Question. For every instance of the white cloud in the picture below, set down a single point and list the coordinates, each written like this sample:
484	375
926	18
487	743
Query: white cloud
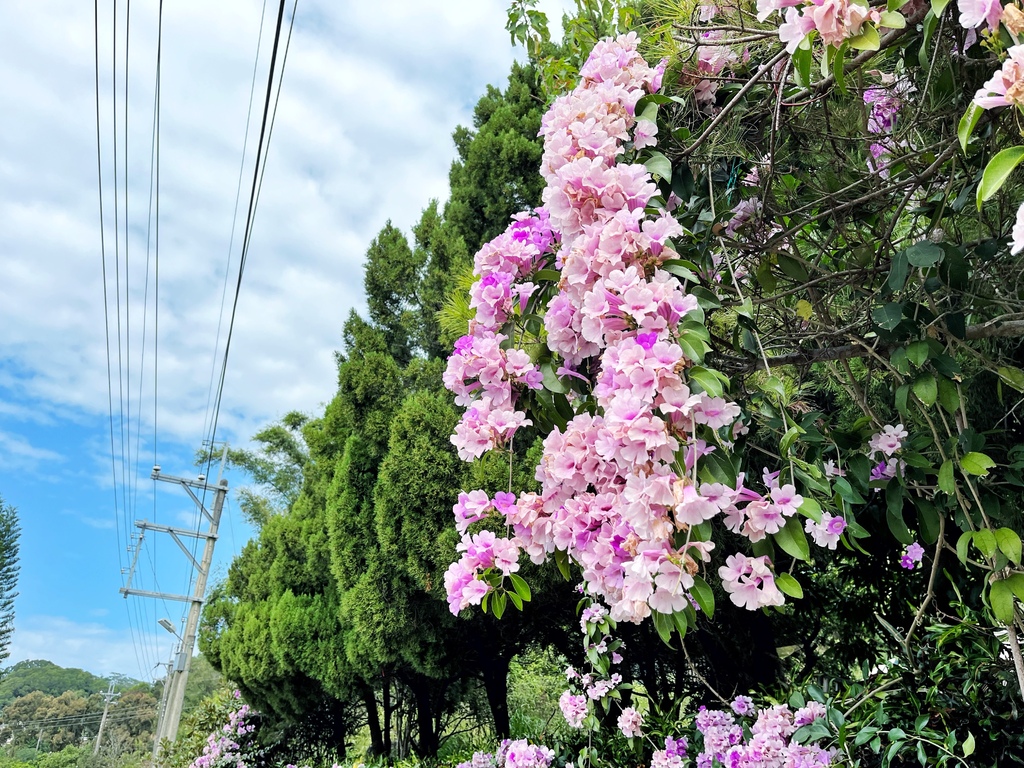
88	645
18	454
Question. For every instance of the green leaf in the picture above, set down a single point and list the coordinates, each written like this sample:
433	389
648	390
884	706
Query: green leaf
894	513
917	353
1014	377
547	276
774	385
949	398
968	747
517	601
998	171
1009	544
1015	581
551	381
659	166
792	539
924	254
961	545
892	20
562	561
498	604
789	438
810	508
970	119
706	380
867	40
946	482
521	587
888	316
975	463
704	596
1000	596
926	389
802	61
898	272
985	541
675	267
789	585
664	625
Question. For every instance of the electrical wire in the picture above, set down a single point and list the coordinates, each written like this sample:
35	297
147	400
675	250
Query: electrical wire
106	313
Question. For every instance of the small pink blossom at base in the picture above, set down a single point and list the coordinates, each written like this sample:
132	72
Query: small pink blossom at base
630	722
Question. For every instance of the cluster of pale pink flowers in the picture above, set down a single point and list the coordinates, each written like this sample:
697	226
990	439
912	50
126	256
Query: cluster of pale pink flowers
512	754
618	484
484	372
766	743
1006	88
882	446
835	21
222	747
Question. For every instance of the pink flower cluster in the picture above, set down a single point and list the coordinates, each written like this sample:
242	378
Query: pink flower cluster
835	21
750	582
619	484
483	371
512	754
768	744
912	556
1006	86
827	532
480	551
221	748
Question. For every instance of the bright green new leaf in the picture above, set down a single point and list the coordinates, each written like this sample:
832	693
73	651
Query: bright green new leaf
704	596
789	585
659	166
892	20
520	586
998	171
810	508
970	119
968	747
867	40
975	463
792	540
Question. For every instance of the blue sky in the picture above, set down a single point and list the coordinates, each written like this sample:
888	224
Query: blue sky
371	95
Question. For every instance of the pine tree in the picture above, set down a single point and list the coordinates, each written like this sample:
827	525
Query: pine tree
9	533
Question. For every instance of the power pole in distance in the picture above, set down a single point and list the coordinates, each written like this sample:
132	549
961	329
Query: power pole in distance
107	698
178	675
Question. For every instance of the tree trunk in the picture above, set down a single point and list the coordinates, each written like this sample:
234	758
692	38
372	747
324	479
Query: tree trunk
428	738
372	721
386	699
495	674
